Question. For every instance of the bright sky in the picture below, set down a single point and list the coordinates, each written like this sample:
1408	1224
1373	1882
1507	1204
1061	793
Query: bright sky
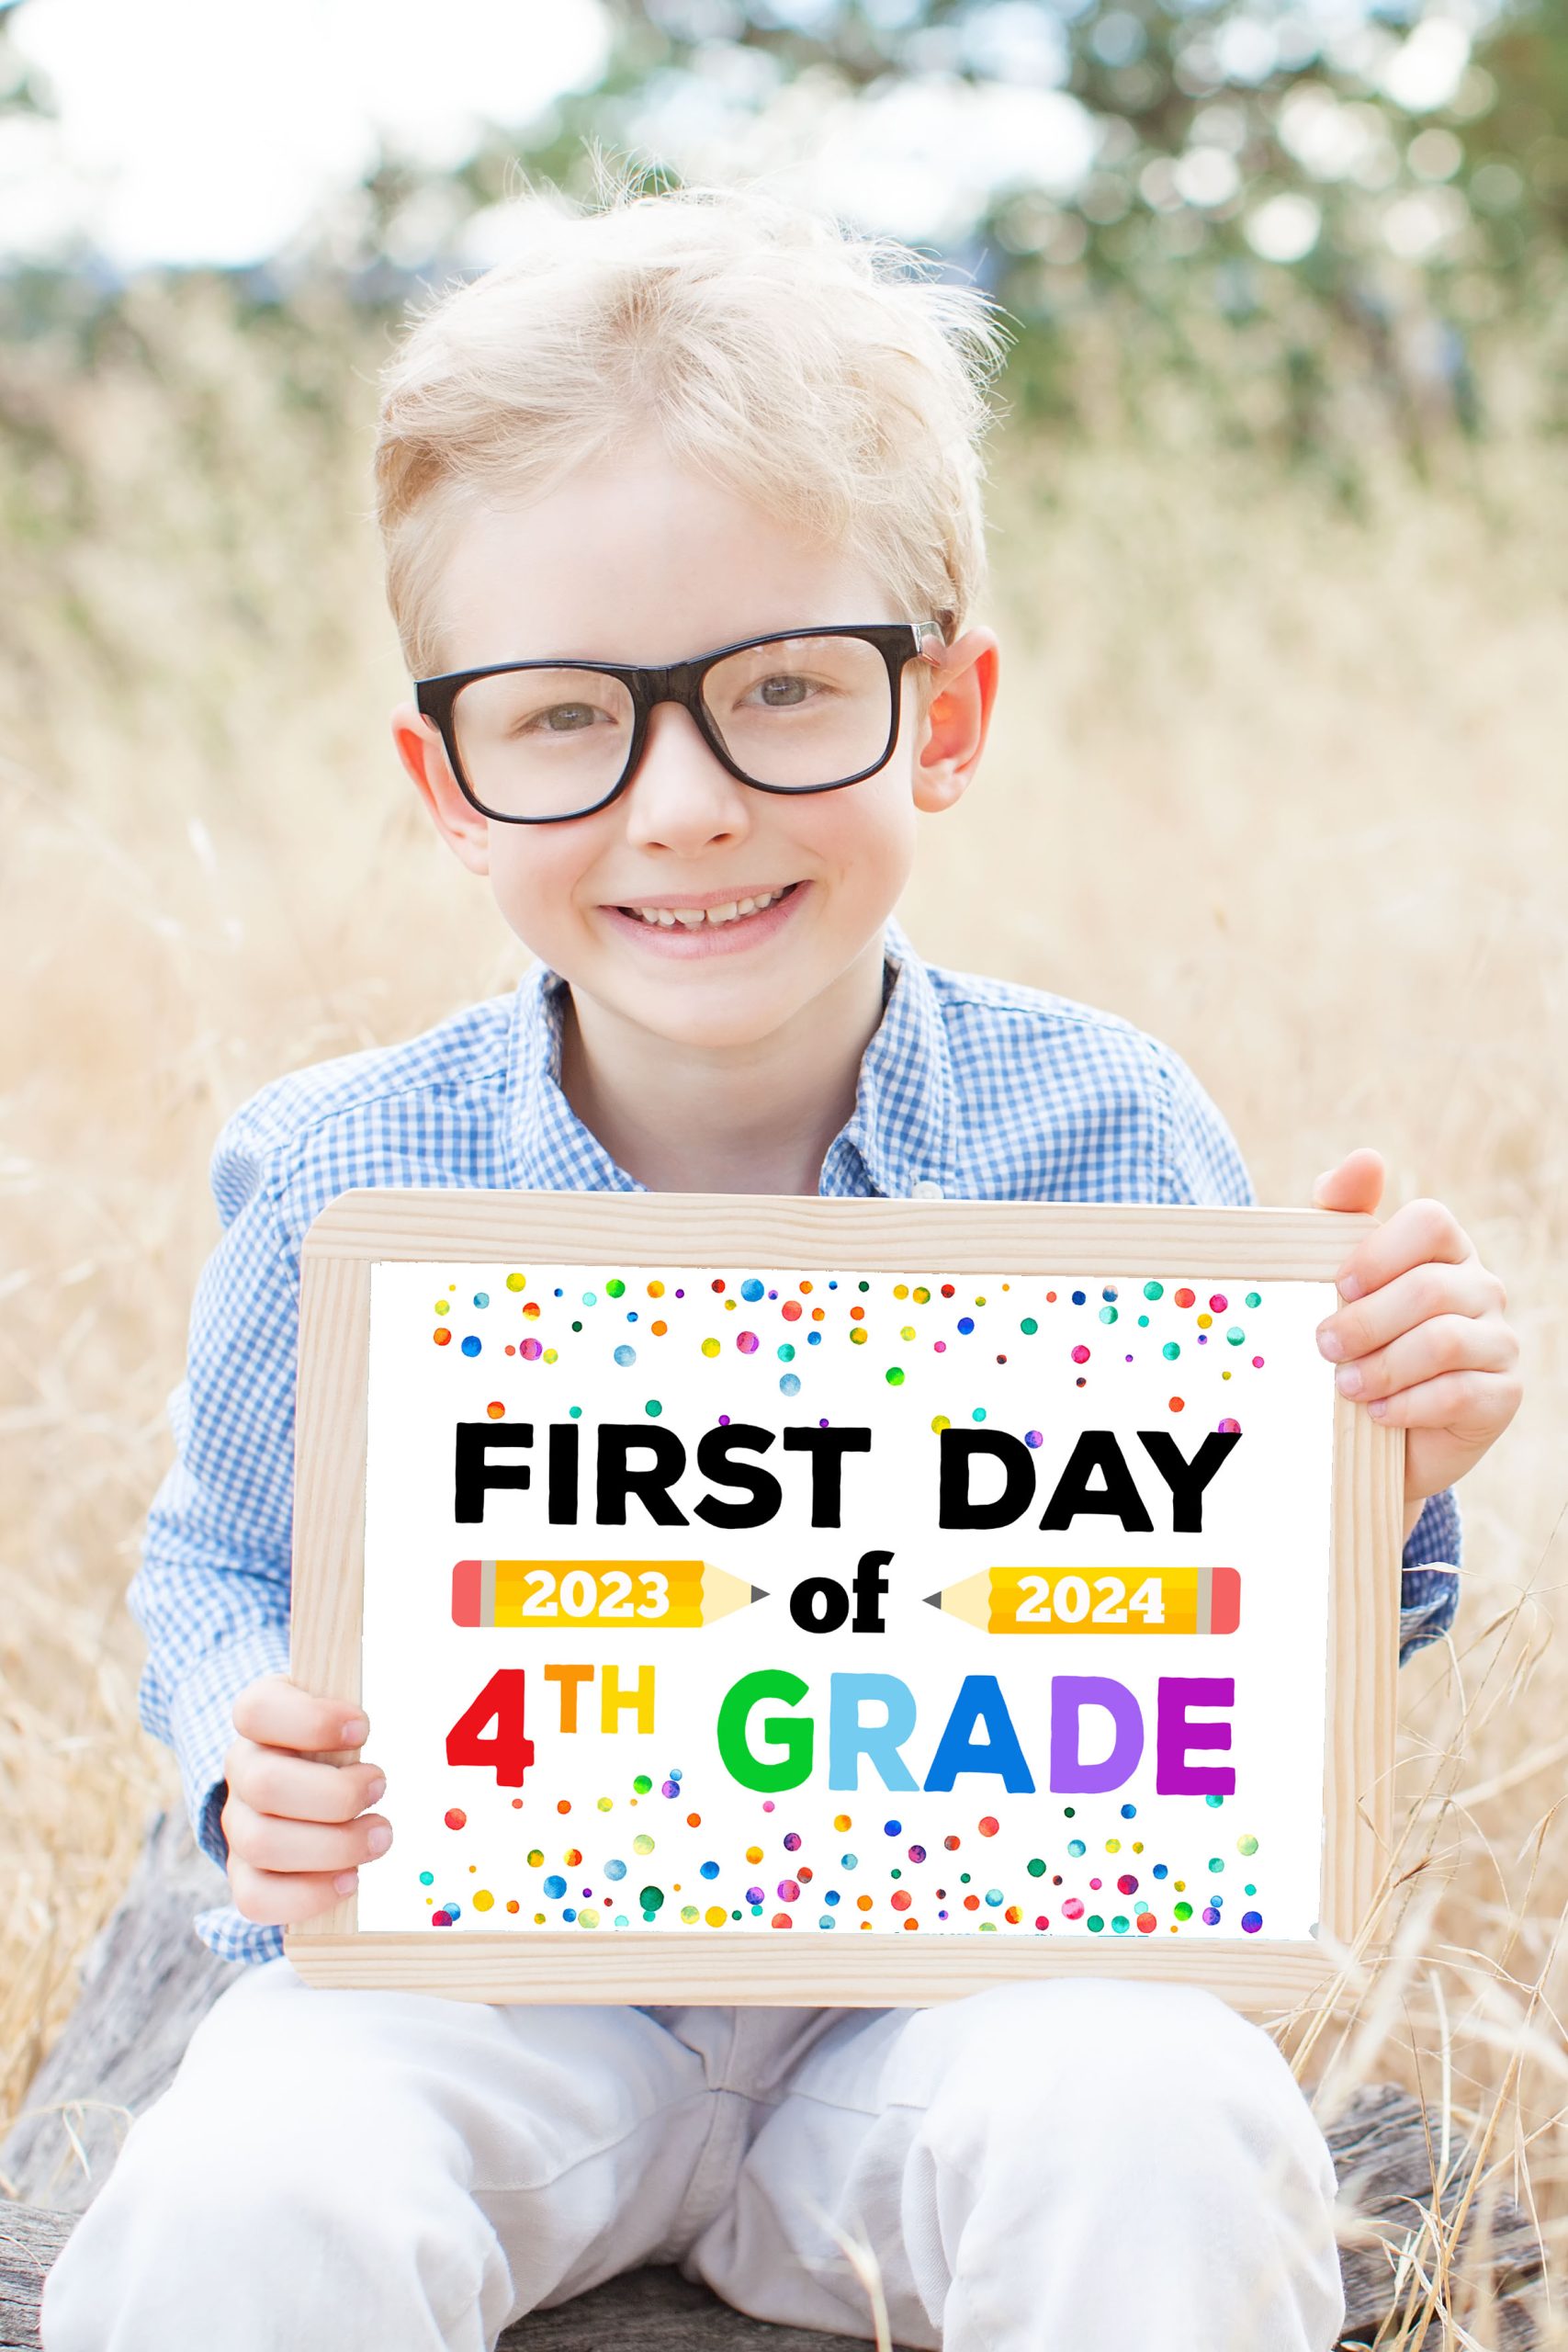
194	130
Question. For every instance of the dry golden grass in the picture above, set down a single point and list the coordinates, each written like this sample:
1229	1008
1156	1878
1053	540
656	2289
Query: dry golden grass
1283	786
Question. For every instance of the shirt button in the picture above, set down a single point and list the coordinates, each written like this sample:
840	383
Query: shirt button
925	1189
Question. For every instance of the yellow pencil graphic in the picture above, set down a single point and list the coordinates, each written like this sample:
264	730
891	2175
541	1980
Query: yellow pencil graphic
621	1596
1095	1600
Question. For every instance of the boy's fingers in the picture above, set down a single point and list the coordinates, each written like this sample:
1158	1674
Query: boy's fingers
275	1713
1470	1407
271	1899
1410	1299
271	1843
1446	1343
270	1779
1420	1231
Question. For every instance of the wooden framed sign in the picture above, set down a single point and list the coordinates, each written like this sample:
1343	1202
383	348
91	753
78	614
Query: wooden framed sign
842	1601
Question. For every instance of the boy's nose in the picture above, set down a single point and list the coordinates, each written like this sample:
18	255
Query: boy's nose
680	797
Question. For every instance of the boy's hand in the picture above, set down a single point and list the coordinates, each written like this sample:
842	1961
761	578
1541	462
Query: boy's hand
1421	1338
294	1839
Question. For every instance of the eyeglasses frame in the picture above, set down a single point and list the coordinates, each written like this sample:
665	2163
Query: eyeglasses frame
898	642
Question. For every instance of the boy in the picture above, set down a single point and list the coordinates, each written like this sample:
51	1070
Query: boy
710	432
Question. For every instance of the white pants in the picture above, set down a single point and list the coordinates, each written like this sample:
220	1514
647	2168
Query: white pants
1066	2166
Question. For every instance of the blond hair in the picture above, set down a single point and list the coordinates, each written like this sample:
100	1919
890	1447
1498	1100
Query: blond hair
829	375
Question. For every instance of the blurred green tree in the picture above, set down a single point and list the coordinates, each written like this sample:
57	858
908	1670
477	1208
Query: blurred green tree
1282	203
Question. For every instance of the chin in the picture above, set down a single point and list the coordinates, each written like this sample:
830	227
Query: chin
730	1024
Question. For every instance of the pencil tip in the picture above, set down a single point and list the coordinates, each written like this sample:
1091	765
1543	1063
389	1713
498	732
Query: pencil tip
933	1600
758	1593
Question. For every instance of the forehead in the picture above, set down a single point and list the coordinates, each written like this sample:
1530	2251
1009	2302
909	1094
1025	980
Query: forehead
640	559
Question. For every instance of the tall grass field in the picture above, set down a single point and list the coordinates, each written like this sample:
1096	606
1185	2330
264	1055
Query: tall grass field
1280	778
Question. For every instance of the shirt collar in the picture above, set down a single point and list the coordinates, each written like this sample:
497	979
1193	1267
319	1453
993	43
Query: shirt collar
902	1129
552	1151
900	1133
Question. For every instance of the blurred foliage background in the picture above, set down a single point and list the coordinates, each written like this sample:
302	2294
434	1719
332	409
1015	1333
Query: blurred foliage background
1303	221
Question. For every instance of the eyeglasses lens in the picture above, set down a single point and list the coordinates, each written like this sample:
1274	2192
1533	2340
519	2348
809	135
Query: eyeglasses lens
795	713
542	742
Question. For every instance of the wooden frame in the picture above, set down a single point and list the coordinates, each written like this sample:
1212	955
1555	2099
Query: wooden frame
966	1236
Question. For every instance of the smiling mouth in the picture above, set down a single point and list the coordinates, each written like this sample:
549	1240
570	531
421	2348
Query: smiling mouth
715	918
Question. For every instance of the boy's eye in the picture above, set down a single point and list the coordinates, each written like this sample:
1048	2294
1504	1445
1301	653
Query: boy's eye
786	690
566	717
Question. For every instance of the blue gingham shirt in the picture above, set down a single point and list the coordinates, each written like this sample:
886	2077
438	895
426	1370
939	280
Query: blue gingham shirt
982	1088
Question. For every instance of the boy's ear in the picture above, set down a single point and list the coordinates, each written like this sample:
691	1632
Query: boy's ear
422	752
954	735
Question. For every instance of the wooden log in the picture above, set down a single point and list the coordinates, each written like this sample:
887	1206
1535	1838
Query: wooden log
148	1981
654	2311
30	2241
1384	2161
657	2311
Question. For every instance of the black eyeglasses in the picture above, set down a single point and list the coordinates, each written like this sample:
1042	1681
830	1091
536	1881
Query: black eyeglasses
535	742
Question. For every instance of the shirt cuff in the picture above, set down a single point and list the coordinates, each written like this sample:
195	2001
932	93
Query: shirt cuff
228	1934
1429	1585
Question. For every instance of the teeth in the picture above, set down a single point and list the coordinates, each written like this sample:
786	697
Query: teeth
692	918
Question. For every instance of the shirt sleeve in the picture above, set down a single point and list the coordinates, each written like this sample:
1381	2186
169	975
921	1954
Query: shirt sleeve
1203	1164
1429	1584
211	1594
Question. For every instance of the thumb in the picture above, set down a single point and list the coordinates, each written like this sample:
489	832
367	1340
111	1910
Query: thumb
1355	1185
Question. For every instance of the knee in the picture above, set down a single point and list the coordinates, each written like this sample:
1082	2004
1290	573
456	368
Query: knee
1106	2067
290	2202
380	2182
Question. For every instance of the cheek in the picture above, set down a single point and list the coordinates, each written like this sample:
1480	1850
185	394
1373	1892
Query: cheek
535	871
547	865
865	829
